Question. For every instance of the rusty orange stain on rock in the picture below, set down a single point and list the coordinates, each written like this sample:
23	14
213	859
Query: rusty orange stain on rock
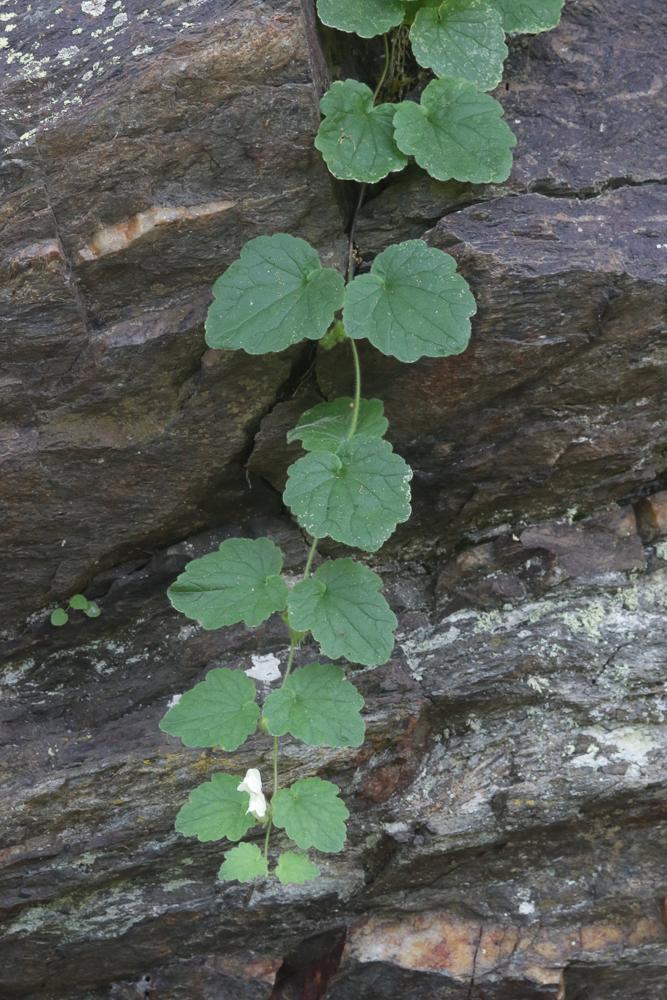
428	942
646	930
652	516
121	235
597	936
447	943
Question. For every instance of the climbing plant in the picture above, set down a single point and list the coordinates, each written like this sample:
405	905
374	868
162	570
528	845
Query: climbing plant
349	485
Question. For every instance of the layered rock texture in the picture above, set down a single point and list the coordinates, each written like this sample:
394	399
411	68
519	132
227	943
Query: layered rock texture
509	828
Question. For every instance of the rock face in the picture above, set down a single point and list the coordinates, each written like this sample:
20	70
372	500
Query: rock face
508	808
141	152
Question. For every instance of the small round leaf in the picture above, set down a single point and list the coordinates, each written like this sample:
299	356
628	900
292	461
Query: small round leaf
461	39
355	138
318	705
529	16
342	606
295	869
79	602
324	427
413	303
59	617
366	18
219	712
312	814
243	864
457	133
239	582
216	810
276	294
356	496
93	610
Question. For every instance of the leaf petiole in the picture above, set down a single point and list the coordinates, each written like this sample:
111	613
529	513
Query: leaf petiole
357	391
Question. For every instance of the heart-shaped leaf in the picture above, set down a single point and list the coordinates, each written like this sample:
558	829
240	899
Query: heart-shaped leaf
461	39
276	294
356	496
295	869
317	705
219	712
366	18
342	606
324	427
240	582
311	814
412	304
355	138
529	16
215	810
457	133
243	864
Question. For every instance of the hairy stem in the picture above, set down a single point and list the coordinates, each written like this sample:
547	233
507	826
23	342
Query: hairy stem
311	556
293	646
357	390
385	70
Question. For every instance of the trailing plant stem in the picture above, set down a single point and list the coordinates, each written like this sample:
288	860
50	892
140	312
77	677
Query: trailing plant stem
385	70
309	560
269	824
294	642
293	646
357	390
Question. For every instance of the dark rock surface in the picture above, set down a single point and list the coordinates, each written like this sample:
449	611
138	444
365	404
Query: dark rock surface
508	824
508	807
134	170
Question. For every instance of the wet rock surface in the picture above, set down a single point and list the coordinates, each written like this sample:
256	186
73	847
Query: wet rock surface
508	827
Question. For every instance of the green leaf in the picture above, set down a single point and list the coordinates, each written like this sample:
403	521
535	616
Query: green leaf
275	295
342	606
79	602
366	18
456	132
413	304
355	138
317	705
215	810
311	814
243	864
240	582
356	496
93	610
219	712
529	16
59	617
324	427
295	869
463	39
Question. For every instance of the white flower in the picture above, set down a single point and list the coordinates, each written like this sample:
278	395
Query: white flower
252	784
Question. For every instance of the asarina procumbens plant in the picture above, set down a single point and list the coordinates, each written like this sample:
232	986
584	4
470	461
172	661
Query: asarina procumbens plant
349	485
